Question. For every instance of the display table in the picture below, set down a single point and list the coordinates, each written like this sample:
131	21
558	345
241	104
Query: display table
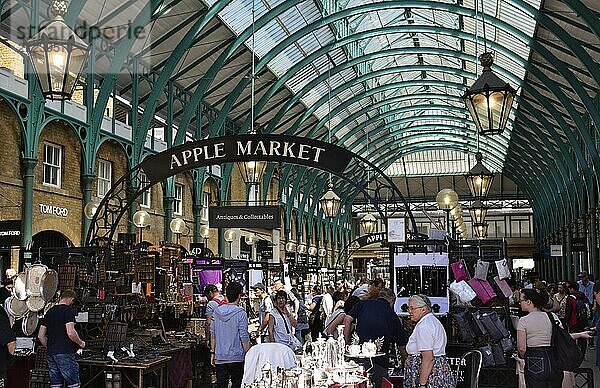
97	367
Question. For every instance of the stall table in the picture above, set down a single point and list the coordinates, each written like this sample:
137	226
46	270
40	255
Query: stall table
141	367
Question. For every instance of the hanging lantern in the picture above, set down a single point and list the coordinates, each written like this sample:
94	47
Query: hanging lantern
322	252
312	250
58	55
480	230
447	199
489	99
330	202
479	179
478	212
369	223
252	171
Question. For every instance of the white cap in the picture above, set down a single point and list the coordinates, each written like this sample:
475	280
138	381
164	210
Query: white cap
361	291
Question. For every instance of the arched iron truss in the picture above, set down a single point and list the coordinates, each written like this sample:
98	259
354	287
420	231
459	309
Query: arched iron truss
558	114
380	190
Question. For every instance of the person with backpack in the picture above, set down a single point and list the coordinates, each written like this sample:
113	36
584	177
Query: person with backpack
316	318
534	340
577	313
215	299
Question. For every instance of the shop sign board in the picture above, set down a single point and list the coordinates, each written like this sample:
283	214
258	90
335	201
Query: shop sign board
556	250
54	210
10	233
197	249
302	260
463	372
578	244
368	239
396	228
313	261
244	217
240	148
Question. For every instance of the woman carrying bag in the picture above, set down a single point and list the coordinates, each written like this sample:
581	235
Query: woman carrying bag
534	341
282	323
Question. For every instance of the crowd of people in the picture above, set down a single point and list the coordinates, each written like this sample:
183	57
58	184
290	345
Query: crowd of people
574	305
367	309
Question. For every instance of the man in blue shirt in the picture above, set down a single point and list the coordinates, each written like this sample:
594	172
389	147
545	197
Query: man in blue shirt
375	318
229	339
586	286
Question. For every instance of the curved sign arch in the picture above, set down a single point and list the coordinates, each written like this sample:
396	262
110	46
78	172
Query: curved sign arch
336	160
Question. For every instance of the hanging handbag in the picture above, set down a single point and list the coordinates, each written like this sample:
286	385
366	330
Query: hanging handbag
503	270
567	355
498	353
487	355
459	270
508	346
482	288
462	290
503	287
465	325
480	328
481	269
494	326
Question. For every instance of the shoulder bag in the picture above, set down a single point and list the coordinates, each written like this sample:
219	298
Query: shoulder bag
567	355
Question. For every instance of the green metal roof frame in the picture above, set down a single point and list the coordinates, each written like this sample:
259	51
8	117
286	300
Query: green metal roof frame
514	165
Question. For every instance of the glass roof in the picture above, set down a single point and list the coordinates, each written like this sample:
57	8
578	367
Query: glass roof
443	162
432	31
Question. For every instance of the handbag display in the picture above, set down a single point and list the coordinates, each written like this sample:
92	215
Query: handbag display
503	286
483	289
459	270
465	324
508	346
462	290
479	325
503	270
567	355
487	355
494	326
408	280
435	280
498	353
481	269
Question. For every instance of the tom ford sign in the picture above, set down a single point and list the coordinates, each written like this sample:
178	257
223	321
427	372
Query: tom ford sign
10	233
275	148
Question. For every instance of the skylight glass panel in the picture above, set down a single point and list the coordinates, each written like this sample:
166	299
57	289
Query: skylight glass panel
237	15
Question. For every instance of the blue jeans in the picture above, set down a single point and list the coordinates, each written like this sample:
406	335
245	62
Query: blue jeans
63	368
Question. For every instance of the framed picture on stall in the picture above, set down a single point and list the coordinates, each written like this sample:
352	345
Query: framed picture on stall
396	230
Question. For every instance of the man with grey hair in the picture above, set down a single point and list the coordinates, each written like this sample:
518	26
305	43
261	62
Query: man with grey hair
375	318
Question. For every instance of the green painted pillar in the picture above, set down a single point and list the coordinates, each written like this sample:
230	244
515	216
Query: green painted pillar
593	243
87	181
28	176
197	210
131	228
168	207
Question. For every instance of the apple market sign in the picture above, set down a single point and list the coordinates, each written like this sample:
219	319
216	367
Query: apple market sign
241	148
